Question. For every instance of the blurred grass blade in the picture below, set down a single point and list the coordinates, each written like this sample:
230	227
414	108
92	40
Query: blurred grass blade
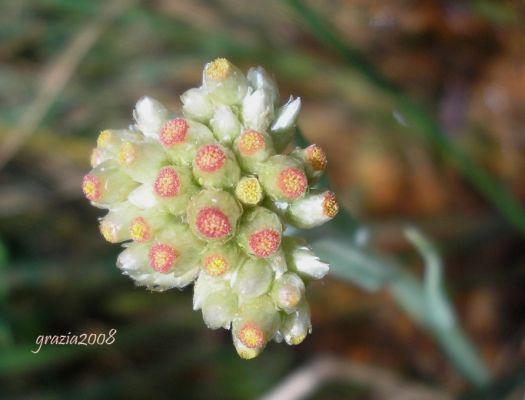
433	286
425	302
350	262
440	314
417	116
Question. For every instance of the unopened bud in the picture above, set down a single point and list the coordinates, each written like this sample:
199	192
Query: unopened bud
260	79
114	227
141	161
205	285
224	82
143	197
257	110
219	309
106	184
283	127
313	210
297	325
302	260
197	105
225	124
288	292
150	115
314	160
253	279
256	324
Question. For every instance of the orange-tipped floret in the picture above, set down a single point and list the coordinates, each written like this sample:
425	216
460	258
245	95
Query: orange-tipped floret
252	336
215	264
251	142
92	187
140	231
330	205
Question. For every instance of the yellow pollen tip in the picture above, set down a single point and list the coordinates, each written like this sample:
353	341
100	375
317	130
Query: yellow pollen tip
292	182
103	138
127	154
139	230
251	336
316	157
95	158
251	142
215	264
249	191
247	355
295	340
91	186
330	205
218	69
107	232
291	297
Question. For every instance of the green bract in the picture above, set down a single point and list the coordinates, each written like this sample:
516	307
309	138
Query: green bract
205	197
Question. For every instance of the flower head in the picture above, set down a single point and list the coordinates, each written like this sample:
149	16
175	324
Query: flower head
205	197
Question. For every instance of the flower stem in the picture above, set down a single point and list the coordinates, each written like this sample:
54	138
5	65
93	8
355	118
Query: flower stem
409	295
426	302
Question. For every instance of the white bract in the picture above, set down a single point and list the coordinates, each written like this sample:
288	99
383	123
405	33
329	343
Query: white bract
149	116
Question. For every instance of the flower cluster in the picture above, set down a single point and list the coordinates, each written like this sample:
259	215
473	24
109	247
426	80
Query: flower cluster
205	198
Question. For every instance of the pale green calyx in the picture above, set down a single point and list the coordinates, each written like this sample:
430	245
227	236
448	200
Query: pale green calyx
205	197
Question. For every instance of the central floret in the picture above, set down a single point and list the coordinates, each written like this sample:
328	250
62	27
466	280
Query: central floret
174	132
167	183
210	158
213	223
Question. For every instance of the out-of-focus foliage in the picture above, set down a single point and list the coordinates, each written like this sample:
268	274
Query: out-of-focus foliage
462	60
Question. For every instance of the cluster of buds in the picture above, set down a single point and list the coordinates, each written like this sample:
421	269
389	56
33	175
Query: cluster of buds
205	198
